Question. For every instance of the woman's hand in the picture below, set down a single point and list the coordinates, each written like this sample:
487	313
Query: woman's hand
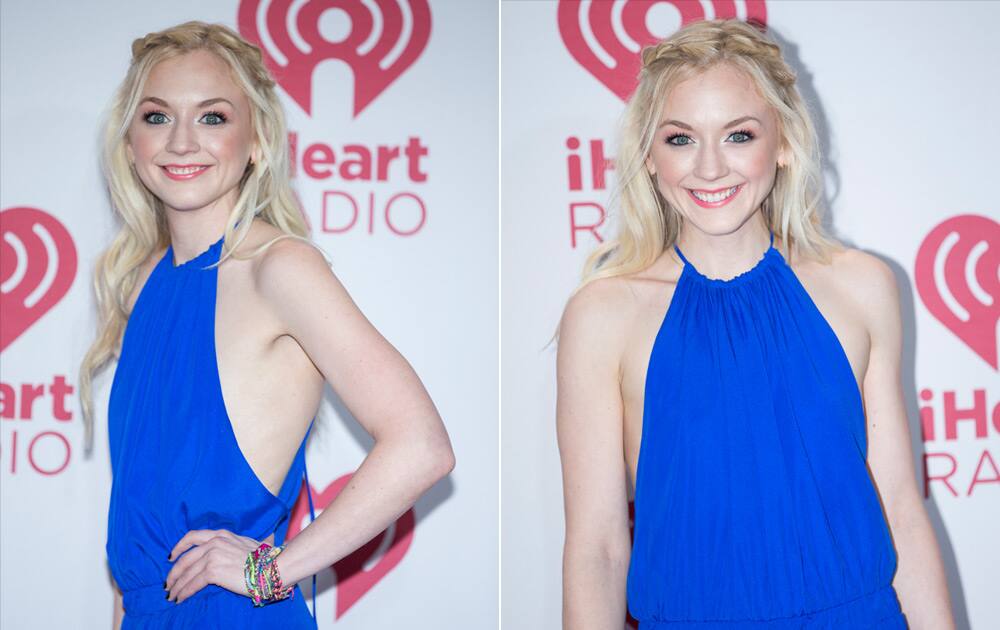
218	557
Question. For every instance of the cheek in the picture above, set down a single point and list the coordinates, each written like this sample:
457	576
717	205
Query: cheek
141	144
757	162
670	168
230	146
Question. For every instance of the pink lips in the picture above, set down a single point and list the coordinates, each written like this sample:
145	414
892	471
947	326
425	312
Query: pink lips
185	176
715	204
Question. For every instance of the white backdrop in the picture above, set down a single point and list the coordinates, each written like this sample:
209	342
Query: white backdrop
425	272
906	97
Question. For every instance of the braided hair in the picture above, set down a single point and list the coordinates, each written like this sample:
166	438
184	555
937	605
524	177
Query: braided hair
647	224
264	189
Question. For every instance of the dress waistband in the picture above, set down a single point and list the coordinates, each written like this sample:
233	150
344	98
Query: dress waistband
879	609
147	600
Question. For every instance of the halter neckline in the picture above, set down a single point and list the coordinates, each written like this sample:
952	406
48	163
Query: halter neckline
768	253
169	255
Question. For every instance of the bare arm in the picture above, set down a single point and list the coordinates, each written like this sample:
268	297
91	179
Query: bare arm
119	611
412	450
589	424
920	580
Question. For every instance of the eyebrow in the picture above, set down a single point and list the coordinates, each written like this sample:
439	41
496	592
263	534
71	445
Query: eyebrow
206	103
731	123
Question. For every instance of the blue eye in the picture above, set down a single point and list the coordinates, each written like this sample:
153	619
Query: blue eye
682	139
159	118
214	118
677	136
155	118
746	135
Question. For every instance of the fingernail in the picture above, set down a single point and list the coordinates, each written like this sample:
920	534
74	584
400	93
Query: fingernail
164	586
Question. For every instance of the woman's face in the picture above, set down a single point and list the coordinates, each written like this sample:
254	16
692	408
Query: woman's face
715	150
191	136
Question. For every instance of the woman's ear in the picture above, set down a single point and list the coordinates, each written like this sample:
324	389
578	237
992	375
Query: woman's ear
650	167
783	156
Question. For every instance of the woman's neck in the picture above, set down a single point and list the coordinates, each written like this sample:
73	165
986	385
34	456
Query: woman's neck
727	255
194	231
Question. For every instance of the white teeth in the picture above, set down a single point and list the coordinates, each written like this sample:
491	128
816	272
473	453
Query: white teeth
715	197
187	170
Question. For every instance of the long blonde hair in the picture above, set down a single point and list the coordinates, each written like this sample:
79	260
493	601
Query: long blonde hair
265	189
647	223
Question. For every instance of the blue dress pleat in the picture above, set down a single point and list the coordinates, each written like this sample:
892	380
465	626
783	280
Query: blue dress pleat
754	508
175	461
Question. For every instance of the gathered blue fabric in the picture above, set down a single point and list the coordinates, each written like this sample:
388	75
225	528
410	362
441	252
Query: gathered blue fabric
754	508
176	464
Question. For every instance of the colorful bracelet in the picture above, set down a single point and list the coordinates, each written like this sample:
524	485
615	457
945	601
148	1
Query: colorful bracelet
263	581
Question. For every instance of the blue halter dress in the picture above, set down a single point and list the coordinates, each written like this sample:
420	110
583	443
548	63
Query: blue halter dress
754	508
175	462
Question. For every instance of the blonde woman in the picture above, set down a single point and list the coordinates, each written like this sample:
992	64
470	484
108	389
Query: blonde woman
739	370
226	323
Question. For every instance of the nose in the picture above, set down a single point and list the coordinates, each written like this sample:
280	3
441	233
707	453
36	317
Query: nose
711	163
183	139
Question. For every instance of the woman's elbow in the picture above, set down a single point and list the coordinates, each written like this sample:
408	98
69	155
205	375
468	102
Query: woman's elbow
604	551
423	447
440	459
435	456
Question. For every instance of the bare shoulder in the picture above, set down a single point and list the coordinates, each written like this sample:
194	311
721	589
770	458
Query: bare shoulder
598	311
869	278
867	273
867	282
288	262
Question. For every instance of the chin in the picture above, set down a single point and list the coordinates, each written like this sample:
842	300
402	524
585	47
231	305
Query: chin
189	199
717	223
185	203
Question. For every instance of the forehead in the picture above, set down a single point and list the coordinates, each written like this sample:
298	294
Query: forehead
191	78
714	97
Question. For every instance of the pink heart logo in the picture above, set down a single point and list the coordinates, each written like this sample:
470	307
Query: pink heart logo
384	38
37	267
957	274
353	579
607	37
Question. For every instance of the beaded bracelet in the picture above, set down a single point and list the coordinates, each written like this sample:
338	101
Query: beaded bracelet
263	581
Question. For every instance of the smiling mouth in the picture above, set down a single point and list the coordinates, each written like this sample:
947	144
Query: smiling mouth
174	171
714	197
